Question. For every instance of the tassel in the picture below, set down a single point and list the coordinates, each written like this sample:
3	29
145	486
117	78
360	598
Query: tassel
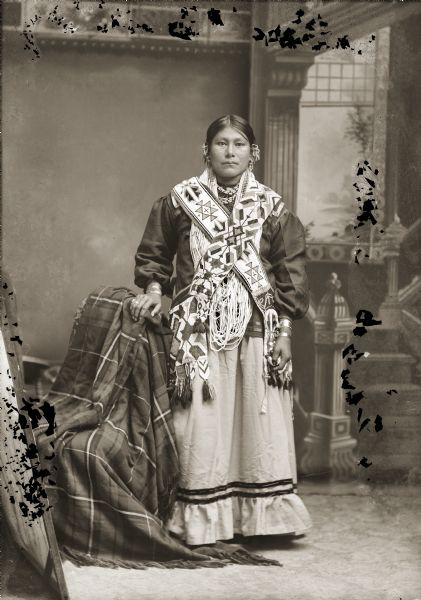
199	327
208	392
175	398
288	384
186	396
182	394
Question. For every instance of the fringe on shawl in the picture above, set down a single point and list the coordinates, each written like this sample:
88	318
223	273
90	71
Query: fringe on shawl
211	557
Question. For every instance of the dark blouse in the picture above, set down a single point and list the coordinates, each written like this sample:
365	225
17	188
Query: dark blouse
282	251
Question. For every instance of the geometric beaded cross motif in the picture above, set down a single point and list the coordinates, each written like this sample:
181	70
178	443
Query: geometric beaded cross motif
232	237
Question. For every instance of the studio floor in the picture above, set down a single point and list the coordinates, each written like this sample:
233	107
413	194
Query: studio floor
365	544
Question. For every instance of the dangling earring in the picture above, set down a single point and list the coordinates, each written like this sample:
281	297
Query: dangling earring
207	161
205	154
255	152
254	157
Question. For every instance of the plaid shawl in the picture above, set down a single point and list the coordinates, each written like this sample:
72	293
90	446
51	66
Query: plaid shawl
116	458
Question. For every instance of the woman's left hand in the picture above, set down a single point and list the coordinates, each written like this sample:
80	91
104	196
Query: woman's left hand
281	352
140	304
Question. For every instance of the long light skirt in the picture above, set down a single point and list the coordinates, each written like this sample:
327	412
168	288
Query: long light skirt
238	470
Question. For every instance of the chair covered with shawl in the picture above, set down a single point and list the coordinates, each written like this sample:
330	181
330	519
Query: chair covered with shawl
115	456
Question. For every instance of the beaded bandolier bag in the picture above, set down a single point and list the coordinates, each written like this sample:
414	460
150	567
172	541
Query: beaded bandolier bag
214	311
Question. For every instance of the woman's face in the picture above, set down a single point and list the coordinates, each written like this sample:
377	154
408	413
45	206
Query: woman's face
229	155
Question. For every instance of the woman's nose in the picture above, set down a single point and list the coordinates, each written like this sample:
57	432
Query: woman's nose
230	150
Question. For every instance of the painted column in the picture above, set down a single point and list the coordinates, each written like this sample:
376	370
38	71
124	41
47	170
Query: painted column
287	76
381	91
329	445
277	77
394	145
390	310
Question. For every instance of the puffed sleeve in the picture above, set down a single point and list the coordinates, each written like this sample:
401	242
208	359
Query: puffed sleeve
288	265
155	254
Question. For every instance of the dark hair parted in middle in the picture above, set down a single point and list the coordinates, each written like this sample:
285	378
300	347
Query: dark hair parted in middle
230	121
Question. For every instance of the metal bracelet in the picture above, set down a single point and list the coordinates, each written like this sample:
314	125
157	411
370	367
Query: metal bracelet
284	334
285	322
154	288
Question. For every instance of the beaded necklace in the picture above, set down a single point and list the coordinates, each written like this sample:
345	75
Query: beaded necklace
227	194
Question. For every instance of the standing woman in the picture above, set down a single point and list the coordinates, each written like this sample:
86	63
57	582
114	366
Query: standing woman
240	281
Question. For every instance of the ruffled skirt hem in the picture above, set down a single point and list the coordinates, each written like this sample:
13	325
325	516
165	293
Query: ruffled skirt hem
199	524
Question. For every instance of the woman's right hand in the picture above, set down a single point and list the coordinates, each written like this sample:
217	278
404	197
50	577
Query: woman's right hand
140	304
